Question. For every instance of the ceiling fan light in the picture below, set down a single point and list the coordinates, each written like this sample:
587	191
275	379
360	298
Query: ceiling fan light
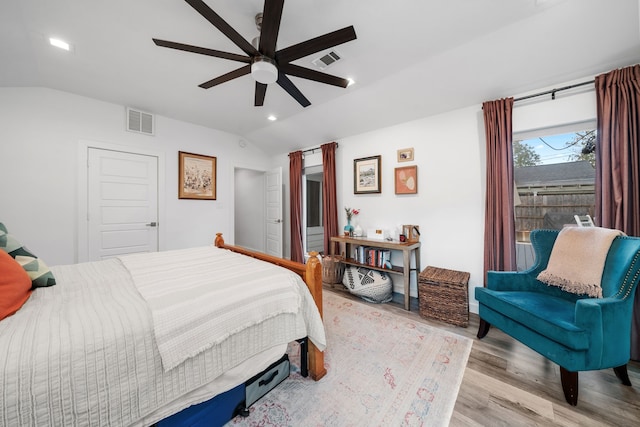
264	71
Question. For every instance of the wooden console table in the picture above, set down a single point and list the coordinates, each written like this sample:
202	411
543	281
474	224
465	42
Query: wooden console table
406	248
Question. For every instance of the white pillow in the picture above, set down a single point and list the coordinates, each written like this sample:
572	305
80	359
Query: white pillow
371	285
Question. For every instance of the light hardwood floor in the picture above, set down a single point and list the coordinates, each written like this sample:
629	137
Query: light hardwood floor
508	384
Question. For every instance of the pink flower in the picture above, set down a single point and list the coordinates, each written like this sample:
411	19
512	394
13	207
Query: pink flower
350	212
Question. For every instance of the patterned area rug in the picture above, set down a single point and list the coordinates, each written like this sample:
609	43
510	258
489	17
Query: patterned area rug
383	370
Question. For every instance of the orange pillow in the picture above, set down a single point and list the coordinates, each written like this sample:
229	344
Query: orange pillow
15	285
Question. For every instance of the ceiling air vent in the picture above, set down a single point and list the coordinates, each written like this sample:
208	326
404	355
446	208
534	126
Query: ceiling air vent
326	60
139	121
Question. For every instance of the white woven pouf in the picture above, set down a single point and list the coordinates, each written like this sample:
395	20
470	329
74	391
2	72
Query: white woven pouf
370	285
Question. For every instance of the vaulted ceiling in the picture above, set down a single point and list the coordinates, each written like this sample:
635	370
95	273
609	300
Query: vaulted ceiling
411	58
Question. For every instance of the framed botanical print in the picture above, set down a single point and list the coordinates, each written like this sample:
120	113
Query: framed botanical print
196	176
366	175
406	180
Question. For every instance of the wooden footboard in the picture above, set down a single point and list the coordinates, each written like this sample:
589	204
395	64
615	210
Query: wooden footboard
311	273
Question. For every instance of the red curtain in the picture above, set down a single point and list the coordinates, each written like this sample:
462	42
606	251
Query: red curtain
329	199
499	224
618	162
295	197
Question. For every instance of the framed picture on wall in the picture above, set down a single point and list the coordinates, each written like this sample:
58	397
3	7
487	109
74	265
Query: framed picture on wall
366	175
405	155
196	176
406	180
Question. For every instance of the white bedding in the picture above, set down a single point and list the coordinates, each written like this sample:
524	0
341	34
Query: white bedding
83	352
200	296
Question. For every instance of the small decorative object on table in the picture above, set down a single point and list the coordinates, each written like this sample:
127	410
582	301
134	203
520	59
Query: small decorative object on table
348	229
376	234
411	233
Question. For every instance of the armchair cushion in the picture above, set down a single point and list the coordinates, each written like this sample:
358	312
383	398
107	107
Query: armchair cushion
550	316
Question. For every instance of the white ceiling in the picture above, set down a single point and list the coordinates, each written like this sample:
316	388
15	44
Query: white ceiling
412	58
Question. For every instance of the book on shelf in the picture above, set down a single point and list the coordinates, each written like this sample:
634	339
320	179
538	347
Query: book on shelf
374	257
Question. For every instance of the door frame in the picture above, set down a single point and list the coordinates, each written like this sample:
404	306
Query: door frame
232	220
82	254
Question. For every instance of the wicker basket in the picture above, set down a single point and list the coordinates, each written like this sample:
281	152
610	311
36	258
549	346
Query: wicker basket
332	269
443	295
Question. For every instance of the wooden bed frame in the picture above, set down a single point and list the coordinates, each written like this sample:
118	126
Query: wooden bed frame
311	273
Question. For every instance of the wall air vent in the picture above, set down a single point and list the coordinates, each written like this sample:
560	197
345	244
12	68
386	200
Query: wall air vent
327	59
139	121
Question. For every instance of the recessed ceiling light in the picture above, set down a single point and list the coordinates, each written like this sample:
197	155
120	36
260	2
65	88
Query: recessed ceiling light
59	43
272	118
351	82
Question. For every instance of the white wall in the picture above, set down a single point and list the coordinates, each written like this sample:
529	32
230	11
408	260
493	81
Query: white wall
570	107
450	155
449	206
40	130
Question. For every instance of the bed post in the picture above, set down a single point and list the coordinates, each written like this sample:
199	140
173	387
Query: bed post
311	273
313	279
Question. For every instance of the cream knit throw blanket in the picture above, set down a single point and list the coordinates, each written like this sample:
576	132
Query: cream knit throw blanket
577	259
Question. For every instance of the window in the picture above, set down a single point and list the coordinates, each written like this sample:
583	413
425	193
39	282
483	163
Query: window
314	200
555	180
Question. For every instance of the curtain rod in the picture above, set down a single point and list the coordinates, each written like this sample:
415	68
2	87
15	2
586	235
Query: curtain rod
313	150
553	91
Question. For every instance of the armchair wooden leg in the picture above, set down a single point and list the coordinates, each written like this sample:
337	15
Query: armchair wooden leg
483	329
621	373
569	386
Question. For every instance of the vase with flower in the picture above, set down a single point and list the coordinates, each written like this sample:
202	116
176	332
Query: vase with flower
348	229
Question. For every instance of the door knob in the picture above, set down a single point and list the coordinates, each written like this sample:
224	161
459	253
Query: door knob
152	224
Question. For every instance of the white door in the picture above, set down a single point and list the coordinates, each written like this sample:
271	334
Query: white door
274	212
122	211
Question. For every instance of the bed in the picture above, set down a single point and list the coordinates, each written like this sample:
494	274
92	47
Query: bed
87	351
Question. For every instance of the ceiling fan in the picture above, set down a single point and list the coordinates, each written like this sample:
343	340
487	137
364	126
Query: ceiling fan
263	62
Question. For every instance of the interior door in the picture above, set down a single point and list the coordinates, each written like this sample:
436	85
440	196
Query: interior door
122	203
274	212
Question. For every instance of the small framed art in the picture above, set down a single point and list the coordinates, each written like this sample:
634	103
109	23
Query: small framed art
406	180
196	176
366	175
405	155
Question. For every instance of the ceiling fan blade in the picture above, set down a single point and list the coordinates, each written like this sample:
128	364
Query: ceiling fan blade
202	50
261	91
222	25
316	76
271	16
242	71
316	44
292	90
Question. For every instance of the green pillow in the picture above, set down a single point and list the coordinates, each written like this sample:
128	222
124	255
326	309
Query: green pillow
37	270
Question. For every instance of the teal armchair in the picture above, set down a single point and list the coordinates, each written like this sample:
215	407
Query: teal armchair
577	332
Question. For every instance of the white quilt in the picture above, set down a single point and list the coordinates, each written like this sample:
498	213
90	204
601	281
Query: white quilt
83	352
200	296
